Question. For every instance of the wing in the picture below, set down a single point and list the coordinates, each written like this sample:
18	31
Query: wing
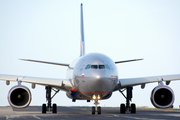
144	80
63	84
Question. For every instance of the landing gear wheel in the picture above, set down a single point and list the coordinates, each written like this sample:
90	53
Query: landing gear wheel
43	108
54	109
99	110
122	109
133	108
93	110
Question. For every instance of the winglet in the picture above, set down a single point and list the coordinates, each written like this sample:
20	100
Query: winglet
82	45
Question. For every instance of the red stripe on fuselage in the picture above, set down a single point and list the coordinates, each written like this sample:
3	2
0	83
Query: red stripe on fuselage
94	92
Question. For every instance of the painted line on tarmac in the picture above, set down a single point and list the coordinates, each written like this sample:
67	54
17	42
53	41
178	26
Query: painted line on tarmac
12	116
36	117
136	118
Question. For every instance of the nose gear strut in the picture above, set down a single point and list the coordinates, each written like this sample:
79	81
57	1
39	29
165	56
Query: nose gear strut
96	108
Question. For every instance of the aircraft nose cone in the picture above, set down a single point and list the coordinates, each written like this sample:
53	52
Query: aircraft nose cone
96	84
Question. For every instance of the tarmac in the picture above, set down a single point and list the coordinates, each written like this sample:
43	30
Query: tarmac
84	113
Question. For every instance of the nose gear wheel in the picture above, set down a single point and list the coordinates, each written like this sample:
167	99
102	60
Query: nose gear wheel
96	108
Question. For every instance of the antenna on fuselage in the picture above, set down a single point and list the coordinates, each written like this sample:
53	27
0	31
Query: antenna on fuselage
82	43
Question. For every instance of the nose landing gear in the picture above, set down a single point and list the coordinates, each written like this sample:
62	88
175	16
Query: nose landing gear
96	108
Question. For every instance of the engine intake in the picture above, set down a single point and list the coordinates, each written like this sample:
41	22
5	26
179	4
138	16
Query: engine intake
162	97
19	97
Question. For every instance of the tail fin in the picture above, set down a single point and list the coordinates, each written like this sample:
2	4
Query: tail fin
82	44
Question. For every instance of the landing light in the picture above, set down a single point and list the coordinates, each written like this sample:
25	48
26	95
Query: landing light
98	97
97	77
94	97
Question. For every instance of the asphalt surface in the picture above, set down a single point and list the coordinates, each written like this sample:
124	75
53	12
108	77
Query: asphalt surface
84	113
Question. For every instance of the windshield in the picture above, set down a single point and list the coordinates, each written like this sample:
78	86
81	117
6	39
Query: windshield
89	66
94	66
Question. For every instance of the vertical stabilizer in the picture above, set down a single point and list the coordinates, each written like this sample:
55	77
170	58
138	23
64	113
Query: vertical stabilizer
82	44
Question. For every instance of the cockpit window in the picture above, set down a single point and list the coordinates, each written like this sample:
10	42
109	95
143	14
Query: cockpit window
94	66
101	66
88	66
107	66
97	66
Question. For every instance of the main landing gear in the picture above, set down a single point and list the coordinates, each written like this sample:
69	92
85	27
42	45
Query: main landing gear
127	107
52	108
96	108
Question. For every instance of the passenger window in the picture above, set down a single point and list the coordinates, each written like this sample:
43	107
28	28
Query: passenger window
88	66
94	66
101	67
107	66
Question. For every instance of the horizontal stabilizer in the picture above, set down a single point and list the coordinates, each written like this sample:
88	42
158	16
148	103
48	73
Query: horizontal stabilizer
127	61
53	63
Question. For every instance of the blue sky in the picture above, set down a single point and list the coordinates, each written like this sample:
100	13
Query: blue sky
50	31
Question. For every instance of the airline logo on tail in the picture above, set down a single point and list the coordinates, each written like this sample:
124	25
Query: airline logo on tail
82	46
82	51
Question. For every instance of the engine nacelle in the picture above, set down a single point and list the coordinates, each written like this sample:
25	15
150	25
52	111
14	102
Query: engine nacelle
19	97
162	97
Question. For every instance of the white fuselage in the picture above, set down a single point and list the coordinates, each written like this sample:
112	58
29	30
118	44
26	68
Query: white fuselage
93	74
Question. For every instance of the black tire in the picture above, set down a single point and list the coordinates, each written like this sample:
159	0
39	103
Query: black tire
133	108
122	108
93	110
54	110
99	110
43	108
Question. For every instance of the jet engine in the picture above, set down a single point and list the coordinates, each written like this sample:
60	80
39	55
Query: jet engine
162	97
19	97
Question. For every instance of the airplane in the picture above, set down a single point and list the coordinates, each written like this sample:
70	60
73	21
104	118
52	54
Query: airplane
90	77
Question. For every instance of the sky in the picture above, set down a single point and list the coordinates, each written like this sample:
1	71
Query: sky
121	29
